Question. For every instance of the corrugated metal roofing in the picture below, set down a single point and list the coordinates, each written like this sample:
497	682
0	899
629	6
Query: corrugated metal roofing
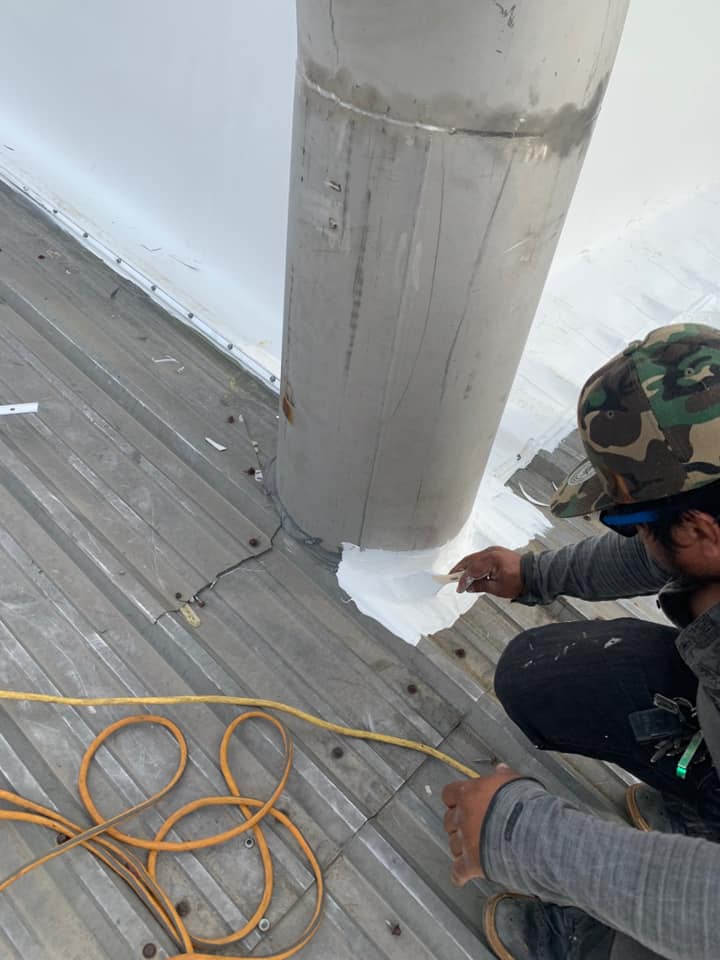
112	503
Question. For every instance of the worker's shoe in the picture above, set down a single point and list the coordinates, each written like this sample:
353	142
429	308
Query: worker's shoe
649	809
524	928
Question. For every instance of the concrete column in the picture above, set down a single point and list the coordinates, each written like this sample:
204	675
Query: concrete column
436	150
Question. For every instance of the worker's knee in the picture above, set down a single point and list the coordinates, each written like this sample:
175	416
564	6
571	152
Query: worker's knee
529	673
514	674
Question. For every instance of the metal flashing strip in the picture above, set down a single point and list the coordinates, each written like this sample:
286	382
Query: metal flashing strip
170	303
12	408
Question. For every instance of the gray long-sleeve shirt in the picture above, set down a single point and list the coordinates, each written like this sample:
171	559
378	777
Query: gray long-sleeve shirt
662	891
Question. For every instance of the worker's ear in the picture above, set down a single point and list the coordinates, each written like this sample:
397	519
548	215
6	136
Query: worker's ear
701	531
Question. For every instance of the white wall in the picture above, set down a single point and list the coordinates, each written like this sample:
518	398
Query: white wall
657	138
163	129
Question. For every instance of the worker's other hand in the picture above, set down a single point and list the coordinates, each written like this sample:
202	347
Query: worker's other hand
495	570
468	802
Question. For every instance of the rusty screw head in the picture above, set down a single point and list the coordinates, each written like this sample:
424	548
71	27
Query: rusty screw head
460	653
412	689
396	930
254	542
201	602
61	838
231	419
178	596
149	950
183	908
338	753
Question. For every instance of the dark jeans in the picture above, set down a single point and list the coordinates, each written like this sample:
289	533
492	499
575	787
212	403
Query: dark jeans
571	687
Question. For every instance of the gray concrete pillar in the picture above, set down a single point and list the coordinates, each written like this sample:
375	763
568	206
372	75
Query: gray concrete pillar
436	149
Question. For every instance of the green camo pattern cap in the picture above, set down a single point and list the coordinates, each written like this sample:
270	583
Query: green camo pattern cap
649	421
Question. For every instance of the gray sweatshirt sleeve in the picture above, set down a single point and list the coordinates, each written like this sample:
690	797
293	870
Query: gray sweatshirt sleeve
599	568
662	891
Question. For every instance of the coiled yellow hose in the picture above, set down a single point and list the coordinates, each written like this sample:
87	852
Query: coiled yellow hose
103	840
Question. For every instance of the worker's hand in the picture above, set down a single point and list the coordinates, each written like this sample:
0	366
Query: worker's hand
495	570
468	802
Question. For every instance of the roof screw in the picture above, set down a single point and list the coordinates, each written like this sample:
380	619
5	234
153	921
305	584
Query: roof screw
183	908
178	596
61	838
149	950
231	419
264	925
394	928
190	316
273	379
338	753
153	287
254	542
412	689
200	602
249	843
460	653
251	471
230	346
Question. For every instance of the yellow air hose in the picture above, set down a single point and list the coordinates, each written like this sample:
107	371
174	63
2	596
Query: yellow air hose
104	839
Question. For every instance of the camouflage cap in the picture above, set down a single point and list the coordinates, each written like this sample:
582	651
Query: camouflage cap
650	422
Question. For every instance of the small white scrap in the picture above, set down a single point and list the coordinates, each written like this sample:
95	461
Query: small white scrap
165	360
12	408
428	789
217	446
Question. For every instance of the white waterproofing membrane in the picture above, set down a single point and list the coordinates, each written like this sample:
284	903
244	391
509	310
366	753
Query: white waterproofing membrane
657	272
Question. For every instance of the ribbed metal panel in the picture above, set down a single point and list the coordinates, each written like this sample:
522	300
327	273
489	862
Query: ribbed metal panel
111	503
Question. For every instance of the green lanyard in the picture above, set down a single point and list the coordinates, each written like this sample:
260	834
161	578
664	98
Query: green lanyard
687	758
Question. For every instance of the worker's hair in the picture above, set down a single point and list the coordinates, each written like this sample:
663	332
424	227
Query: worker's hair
706	499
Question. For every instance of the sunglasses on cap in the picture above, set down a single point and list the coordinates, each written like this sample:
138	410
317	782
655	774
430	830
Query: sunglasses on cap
626	520
626	524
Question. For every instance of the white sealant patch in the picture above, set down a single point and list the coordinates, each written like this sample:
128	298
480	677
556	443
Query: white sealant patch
658	271
375	579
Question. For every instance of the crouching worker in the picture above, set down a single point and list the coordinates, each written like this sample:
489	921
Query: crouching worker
642	695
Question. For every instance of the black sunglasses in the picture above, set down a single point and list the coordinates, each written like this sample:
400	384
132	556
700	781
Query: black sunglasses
626	521
626	524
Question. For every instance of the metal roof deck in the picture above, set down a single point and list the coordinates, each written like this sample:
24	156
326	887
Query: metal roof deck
112	503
